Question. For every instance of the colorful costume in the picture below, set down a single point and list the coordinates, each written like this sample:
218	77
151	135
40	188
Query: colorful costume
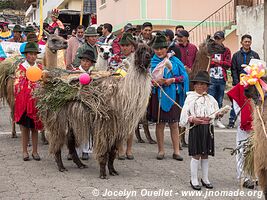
176	91
25	104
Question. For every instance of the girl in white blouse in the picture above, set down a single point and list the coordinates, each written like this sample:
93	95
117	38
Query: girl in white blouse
199	113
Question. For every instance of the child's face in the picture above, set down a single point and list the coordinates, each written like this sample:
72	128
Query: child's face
200	87
86	64
31	57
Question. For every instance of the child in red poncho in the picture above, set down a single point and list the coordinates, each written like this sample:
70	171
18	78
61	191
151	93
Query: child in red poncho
25	105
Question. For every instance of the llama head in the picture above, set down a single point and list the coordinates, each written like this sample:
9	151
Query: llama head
143	56
105	51
55	42
209	46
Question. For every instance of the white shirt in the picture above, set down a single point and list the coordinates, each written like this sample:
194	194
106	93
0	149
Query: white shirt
197	105
26	65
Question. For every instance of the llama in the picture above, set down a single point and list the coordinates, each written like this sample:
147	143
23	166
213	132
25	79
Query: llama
259	137
54	46
104	54
126	100
8	66
202	60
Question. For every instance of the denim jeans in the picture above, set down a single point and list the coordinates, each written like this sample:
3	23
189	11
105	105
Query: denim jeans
216	89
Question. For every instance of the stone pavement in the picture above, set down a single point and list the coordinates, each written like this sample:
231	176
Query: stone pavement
143	178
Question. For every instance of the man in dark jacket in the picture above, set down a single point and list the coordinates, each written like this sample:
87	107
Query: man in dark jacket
243	56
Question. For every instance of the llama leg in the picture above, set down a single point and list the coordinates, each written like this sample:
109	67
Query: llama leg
72	151
43	138
262	175
112	155
138	135
59	162
182	130
147	132
103	162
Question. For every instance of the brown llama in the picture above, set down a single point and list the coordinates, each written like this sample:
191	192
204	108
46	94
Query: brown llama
124	99
259	137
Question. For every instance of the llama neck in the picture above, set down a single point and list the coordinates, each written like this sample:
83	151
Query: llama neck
50	58
133	95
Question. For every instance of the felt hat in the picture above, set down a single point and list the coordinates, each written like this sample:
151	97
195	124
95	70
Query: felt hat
160	41
31	37
88	54
17	28
203	77
127	38
29	29
31	47
91	31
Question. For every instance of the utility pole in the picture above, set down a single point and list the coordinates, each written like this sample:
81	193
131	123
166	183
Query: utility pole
81	13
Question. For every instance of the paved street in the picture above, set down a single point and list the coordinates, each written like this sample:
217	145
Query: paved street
143	178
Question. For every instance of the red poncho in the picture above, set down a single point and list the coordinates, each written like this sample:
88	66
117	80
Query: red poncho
24	102
237	94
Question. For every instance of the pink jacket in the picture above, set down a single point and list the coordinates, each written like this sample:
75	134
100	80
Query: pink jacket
73	45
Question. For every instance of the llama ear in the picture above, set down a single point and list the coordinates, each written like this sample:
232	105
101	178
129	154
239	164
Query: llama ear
46	34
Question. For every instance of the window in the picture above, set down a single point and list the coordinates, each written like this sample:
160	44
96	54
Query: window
103	2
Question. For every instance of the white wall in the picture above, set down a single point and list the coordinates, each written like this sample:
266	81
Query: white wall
250	20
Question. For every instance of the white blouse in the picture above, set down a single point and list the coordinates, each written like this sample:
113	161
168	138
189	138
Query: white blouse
197	105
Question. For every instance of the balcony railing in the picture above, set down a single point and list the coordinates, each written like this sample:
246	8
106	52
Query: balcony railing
222	19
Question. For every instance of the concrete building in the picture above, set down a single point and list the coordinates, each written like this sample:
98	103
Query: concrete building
33	12
199	17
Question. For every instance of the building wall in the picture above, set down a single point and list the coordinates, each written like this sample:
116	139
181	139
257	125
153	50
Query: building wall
232	42
118	12
159	12
250	20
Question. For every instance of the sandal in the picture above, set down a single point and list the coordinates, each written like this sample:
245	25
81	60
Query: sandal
26	157
36	157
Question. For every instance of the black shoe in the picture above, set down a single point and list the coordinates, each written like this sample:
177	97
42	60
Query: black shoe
85	156
230	125
195	187
207	185
26	157
121	157
69	157
249	184
130	157
36	157
160	156
177	157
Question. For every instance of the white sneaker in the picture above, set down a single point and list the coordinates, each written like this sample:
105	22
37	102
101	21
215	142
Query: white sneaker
219	124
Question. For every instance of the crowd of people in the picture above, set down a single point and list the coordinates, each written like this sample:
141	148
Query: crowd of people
170	85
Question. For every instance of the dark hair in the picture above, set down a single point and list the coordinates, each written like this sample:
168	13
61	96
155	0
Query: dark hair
99	30
246	36
80	27
108	26
146	24
179	26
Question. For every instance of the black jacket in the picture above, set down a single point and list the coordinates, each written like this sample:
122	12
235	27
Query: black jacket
239	58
